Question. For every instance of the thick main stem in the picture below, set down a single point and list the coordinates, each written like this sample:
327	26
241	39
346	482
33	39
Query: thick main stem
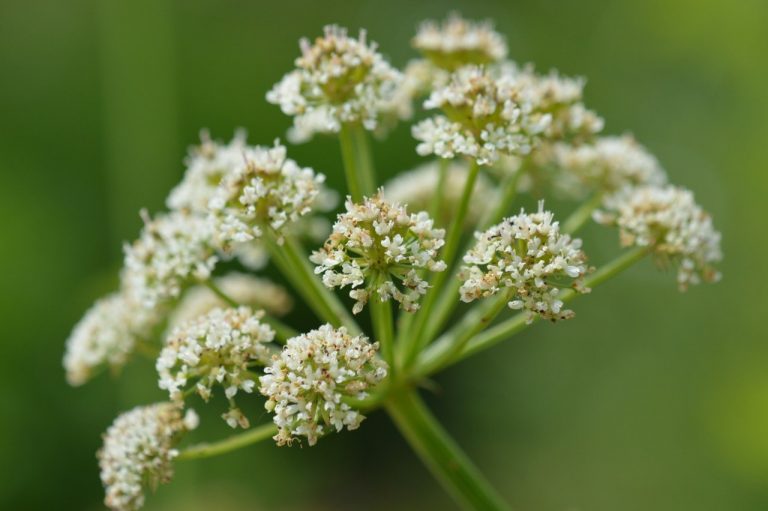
440	453
358	162
234	442
414	341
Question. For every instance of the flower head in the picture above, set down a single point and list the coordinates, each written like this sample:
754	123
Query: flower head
415	188
486	114
527	258
338	79
255	292
106	336
267	190
173	251
217	348
377	248
307	382
138	450
457	42
609	164
668	220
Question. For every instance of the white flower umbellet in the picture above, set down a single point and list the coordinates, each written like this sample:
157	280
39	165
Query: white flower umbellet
138	451
216	349
173	251
106	336
338	79
267	190
668	221
307	382
377	248
530	260
457	42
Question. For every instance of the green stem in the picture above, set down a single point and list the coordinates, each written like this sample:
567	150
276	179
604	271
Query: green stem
436	204
414	341
428	362
447	302
221	294
440	453
293	263
383	327
583	213
234	442
358	164
450	345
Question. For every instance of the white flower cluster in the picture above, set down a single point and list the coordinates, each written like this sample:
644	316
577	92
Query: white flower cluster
559	96
105	336
207	164
174	250
255	292
306	384
668	220
381	243
609	164
218	348
267	190
338	79
415	188
457	42
526	257
139	450
486	114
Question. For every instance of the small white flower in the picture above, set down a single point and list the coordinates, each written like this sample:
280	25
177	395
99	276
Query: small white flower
338	79
668	220
106	336
307	382
415	189
138	450
173	252
609	164
526	257
255	292
267	190
380	239
458	42
218	348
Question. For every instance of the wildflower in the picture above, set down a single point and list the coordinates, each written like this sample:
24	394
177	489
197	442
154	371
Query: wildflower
668	220
376	242
415	189
307	383
267	190
458	42
139	449
105	336
526	257
338	79
207	164
486	114
255	292
217	348
173	251
609	164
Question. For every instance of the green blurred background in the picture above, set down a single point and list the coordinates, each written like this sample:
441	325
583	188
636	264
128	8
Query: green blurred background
650	399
